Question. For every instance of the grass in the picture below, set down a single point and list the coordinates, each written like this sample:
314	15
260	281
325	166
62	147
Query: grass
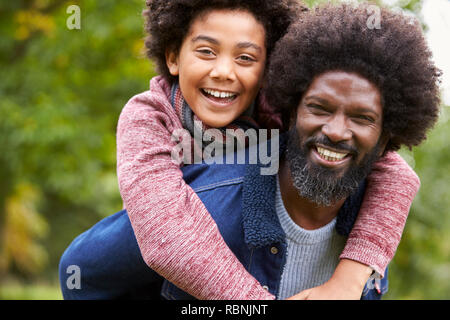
18	291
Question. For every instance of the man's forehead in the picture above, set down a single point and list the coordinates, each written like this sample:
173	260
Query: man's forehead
341	87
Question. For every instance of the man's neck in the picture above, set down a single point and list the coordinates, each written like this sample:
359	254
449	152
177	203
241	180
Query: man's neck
302	211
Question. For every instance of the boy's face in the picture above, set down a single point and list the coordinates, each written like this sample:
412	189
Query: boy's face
220	65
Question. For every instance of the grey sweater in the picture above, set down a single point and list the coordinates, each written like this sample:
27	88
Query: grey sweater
312	255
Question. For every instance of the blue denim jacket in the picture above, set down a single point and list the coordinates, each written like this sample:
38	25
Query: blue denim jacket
240	200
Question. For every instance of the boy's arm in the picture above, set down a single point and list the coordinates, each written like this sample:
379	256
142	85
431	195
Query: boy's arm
391	189
176	234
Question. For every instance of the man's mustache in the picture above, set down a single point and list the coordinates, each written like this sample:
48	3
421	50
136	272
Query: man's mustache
326	142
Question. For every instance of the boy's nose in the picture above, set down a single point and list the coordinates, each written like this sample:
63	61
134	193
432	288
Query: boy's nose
223	69
337	130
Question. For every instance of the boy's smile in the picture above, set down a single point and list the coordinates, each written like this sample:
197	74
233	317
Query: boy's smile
220	65
219	97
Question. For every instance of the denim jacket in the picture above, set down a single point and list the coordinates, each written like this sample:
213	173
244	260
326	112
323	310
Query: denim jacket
242	203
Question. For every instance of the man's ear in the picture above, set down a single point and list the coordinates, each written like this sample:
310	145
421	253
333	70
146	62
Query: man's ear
293	115
172	62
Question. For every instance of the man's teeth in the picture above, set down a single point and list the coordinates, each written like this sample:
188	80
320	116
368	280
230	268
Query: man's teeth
219	94
330	155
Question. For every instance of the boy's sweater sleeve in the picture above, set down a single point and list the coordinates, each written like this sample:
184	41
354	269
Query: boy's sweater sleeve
176	235
391	188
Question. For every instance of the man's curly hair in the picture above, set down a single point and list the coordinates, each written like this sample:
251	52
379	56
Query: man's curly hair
394	57
168	22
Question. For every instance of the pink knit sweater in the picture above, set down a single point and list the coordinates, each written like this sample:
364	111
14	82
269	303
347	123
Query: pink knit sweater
179	239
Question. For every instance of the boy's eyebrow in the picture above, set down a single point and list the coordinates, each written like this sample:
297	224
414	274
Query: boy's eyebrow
248	44
240	45
205	38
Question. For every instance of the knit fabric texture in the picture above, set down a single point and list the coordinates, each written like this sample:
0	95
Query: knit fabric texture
312	255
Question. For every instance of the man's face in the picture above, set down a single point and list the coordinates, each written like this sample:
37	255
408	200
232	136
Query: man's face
336	136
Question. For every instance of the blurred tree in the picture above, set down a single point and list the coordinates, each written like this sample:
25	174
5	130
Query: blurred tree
421	267
61	94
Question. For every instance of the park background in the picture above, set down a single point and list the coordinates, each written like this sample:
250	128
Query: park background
61	93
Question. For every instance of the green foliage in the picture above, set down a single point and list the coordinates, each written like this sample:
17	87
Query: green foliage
421	267
61	95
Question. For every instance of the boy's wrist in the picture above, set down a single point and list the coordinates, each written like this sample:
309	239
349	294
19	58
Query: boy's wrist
351	275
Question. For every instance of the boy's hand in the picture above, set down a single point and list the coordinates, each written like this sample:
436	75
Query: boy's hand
347	283
328	291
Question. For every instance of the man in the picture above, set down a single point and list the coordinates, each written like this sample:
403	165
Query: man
349	94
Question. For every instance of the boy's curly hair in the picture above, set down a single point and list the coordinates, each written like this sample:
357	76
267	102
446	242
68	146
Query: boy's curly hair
395	57
168	22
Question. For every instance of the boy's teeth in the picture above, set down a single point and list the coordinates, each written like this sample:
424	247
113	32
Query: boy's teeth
219	94
330	155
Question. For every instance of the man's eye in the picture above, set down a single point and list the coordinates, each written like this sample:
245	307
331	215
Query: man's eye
206	52
365	118
317	109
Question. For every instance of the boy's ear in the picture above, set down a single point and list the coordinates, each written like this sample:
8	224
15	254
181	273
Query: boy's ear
172	62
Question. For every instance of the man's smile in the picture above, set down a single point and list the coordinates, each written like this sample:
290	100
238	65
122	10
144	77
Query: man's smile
328	157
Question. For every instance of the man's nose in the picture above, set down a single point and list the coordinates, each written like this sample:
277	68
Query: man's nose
223	69
336	129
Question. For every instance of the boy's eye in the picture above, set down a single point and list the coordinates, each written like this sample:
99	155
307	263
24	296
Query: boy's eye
246	59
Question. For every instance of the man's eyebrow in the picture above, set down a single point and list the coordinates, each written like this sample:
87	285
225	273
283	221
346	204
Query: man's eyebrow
205	38
359	109
318	99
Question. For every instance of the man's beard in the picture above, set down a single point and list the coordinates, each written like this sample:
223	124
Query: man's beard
319	184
